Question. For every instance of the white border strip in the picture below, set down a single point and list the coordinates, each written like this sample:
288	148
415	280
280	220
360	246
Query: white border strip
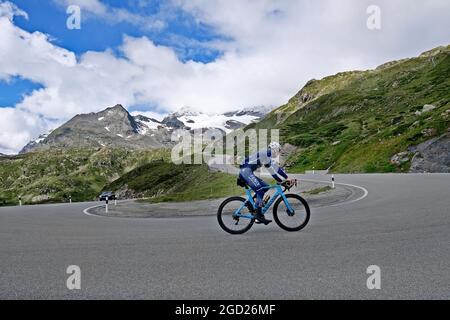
86	211
342	184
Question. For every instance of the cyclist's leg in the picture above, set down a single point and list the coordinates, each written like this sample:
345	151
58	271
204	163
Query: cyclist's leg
260	192
254	183
257	185
260	202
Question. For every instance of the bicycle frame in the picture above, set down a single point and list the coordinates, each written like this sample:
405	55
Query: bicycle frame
278	193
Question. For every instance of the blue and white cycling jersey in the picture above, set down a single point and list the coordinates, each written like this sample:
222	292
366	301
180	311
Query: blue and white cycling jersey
264	158
254	162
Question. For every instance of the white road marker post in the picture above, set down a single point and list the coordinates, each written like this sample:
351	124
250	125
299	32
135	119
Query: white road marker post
115	201
332	181
314	170
106	205
20	201
70	199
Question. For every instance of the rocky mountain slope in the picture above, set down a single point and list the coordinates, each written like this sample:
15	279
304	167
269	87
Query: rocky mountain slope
371	121
92	150
432	155
115	127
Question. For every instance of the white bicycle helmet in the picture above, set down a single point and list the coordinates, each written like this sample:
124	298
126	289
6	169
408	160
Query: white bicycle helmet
274	145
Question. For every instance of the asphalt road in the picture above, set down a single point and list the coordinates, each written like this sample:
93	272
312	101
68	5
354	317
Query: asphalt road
139	209
402	225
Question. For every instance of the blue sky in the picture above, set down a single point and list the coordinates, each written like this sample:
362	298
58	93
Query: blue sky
100	34
14	89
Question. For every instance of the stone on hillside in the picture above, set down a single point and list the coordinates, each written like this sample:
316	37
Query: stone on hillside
446	114
425	108
428	132
432	155
400	158
40	198
428	107
305	97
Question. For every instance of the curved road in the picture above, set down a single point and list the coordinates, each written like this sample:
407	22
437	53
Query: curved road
402	225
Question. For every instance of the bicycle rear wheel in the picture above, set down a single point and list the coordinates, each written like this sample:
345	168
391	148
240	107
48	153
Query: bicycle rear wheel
291	221
226	216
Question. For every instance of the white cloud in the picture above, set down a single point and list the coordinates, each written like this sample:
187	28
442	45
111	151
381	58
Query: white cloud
9	10
275	47
114	15
18	127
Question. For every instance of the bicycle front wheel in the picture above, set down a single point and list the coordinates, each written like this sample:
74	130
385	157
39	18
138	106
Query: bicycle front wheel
291	220
230	214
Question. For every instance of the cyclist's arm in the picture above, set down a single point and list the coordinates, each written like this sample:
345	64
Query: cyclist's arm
276	171
272	166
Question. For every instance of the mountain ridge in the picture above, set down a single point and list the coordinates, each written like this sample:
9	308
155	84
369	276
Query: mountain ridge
115	127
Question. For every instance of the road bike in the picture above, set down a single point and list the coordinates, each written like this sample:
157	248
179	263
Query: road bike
290	211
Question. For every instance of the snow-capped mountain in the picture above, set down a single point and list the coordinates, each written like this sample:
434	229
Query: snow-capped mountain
115	127
227	122
30	145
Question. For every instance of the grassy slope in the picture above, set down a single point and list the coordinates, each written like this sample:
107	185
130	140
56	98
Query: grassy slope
58	173
163	181
371	114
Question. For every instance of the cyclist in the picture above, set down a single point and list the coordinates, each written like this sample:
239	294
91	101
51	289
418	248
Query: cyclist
254	162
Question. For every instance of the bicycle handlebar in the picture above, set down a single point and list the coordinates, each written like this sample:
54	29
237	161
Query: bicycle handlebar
288	186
